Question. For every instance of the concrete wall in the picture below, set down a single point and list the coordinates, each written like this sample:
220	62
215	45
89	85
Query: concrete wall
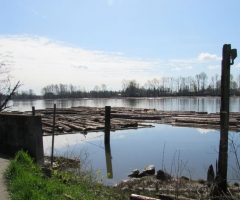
22	132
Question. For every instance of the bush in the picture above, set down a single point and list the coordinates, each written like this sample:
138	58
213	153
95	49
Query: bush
23	157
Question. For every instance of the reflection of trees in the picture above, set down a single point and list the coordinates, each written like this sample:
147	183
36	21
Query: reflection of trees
234	158
131	102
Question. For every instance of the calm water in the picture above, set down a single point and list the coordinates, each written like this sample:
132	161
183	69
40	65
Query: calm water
132	149
199	104
164	146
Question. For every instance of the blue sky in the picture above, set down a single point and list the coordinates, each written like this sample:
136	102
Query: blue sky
93	42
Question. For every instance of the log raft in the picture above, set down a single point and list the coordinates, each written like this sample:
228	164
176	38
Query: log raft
86	119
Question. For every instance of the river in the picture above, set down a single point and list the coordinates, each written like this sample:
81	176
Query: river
170	148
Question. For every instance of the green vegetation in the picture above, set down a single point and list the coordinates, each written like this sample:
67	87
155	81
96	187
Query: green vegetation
26	180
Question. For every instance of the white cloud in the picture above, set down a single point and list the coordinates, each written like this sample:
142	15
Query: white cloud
201	57
213	66
189	67
65	141
176	69
80	66
204	131
238	65
208	56
40	61
184	61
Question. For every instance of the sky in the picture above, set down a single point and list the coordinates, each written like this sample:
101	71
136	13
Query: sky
93	42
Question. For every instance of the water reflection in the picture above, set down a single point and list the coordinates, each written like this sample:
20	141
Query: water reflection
132	149
108	160
199	104
130	103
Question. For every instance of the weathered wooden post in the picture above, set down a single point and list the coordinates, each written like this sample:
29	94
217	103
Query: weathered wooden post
228	56
107	124
33	111
54	113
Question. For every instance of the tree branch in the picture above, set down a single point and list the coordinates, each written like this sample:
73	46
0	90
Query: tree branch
4	105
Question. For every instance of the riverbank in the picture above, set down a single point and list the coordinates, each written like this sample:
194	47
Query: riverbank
29	181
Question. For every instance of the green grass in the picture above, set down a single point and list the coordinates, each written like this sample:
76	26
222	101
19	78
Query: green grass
26	180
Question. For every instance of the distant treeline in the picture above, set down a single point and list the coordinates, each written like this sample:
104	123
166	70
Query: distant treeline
200	85
27	94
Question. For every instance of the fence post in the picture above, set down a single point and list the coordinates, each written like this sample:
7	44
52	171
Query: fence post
107	124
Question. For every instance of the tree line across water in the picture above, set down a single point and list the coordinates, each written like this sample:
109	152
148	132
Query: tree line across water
200	85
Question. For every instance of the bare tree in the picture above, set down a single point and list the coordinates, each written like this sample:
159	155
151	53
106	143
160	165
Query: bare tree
124	86
104	87
7	88
238	80
177	81
203	78
198	78
218	84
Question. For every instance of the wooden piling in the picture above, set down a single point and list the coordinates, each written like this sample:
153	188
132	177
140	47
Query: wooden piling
221	178
107	124
33	111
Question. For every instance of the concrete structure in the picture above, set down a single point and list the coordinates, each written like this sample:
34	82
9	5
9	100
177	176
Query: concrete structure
22	132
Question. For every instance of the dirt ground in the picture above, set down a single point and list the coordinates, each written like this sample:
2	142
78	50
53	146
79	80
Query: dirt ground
4	161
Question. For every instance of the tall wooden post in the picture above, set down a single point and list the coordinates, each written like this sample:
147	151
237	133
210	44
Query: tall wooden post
107	124
221	178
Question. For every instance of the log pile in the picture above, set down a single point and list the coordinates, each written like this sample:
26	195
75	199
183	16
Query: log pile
85	119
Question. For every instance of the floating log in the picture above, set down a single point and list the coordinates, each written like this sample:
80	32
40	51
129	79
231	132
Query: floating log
59	112
63	126
46	123
73	126
47	130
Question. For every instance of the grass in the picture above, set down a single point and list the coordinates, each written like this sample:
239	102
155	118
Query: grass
26	180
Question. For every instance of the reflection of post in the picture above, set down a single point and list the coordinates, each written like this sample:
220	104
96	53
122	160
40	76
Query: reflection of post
107	124
53	127
108	160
